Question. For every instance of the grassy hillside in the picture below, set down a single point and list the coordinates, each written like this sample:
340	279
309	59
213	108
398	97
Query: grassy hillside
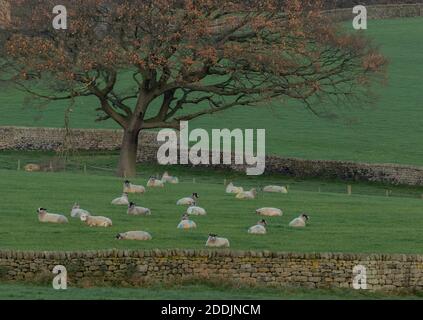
187	292
391	130
365	222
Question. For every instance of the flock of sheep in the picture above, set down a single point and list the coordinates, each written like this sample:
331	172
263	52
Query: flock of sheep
186	223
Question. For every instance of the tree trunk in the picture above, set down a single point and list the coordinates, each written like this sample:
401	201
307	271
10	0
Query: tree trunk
128	154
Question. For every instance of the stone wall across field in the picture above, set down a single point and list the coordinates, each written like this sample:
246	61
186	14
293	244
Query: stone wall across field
50	139
313	270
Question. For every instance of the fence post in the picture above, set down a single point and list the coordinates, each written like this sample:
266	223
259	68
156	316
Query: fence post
85	168
193	180
19	165
349	189
224	182
319	190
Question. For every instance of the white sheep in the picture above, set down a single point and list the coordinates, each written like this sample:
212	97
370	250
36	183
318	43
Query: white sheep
133	210
44	216
188	201
230	188
121	201
77	211
247	194
155	183
128	187
275	189
96	221
259	228
217	242
196	211
169	179
299	222
186	223
134	235
269	212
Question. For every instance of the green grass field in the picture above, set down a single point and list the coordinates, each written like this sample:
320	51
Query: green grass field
186	292
391	130
365	222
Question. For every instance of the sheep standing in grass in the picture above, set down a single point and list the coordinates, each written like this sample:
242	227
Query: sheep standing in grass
299	222
275	189
269	212
196	211
134	235
121	201
44	216
247	194
133	210
155	183
186	223
128	187
259	228
96	221
169	179
217	242
230	188
188	201
77	211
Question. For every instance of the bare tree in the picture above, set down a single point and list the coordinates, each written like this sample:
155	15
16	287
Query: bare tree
187	58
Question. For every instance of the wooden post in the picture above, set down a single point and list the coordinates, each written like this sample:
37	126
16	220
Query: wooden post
224	182
19	165
193	180
85	168
388	192
349	190
51	166
319	190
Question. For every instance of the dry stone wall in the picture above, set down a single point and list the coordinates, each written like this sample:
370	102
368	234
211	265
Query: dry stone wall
264	268
51	139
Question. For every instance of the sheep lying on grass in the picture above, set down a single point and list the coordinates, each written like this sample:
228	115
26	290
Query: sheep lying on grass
128	187
275	189
196	211
186	223
44	216
155	183
96	221
217	242
269	212
188	201
32	167
230	188
134	235
121	201
77	211
247	194
259	228
133	210
169	179
299	222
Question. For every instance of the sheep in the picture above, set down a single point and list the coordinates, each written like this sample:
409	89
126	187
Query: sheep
77	211
230	188
186	223
121	201
155	183
32	167
299	222
134	235
169	179
275	189
44	216
96	221
196	211
259	228
269	212
133	210
247	194
128	187
217	242
188	201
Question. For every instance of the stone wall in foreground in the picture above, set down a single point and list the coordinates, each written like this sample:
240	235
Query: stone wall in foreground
312	270
51	139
